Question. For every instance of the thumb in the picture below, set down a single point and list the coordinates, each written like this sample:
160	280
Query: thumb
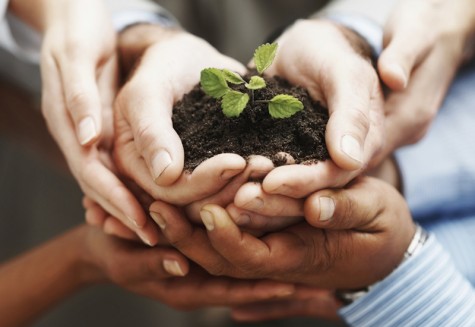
352	207
404	51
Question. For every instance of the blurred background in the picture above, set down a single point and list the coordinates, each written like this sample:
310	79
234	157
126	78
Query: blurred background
39	198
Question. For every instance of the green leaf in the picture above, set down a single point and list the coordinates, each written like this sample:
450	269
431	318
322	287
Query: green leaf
232	77
256	83
234	103
284	106
213	82
264	56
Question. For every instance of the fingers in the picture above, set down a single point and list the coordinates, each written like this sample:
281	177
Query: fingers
251	197
113	226
416	108
407	41
208	178
82	99
95	179
189	240
153	264
256	168
350	208
201	290
304	302
257	224
148	113
298	181
352	93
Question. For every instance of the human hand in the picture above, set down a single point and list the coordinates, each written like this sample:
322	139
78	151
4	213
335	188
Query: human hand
306	301
368	222
79	74
424	44
147	147
149	272
332	63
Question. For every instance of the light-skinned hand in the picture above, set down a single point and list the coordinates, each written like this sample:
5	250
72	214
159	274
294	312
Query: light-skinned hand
167	64
79	76
333	64
425	42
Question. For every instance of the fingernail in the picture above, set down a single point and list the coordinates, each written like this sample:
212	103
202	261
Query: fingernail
145	238
254	204
327	208
173	268
351	147
285	291
243	220
158	219
228	174
208	219
160	163
132	220
86	130
399	73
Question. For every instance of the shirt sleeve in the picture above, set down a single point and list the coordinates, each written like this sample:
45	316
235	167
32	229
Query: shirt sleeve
25	43
128	12
426	290
367	17
375	10
17	37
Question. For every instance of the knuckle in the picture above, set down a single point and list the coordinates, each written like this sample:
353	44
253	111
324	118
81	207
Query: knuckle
217	269
360	120
144	137
77	99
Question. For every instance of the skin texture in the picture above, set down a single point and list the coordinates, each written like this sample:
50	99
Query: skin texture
35	281
344	80
79	76
305	302
361	231
425	42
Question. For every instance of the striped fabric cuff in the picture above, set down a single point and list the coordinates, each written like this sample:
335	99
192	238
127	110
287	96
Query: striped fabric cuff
425	290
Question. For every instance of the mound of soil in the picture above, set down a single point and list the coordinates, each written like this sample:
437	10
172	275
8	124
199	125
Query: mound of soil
205	131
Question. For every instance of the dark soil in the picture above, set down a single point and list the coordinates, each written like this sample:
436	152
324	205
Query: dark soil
205	131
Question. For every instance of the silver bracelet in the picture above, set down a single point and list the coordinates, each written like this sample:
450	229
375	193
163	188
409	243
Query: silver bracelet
418	240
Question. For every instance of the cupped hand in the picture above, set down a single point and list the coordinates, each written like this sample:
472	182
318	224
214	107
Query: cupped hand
165	275
354	228
80	74
424	44
333	64
167	65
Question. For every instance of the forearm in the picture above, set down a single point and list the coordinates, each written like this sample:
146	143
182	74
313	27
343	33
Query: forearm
37	280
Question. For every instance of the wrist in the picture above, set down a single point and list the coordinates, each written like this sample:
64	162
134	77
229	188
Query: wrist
87	269
418	240
359	44
134	40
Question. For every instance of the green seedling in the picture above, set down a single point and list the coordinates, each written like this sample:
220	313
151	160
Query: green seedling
214	82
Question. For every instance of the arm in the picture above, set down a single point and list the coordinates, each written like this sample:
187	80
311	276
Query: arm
37	280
